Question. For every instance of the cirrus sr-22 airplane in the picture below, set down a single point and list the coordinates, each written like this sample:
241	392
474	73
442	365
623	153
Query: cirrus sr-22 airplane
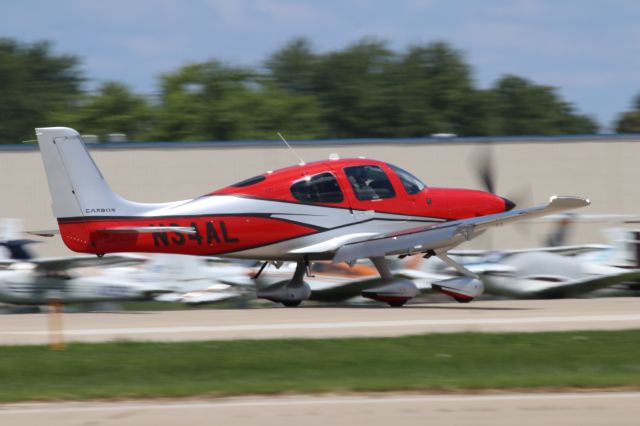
338	209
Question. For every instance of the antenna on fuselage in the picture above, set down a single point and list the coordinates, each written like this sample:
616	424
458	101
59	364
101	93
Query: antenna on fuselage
302	163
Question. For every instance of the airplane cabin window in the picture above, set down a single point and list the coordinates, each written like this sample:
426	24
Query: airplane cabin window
320	188
411	184
249	182
369	183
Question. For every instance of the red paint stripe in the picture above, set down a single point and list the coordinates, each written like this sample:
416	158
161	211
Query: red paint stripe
237	233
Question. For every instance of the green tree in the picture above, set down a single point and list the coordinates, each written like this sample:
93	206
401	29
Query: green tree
525	108
363	90
436	91
354	90
210	101
368	90
113	109
35	84
293	67
629	122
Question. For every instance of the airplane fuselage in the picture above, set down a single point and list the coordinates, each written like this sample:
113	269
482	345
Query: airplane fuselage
26	288
277	215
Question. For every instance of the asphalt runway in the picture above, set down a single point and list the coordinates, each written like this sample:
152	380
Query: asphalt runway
611	408
319	322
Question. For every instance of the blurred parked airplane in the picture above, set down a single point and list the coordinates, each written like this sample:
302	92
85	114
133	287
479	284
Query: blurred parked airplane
189	279
27	280
38	281
543	275
560	271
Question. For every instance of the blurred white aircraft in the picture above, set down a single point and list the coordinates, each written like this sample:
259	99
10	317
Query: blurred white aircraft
27	280
543	275
561	271
170	278
189	279
38	281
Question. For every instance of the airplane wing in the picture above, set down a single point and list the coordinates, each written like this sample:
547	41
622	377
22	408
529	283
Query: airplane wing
63	263
342	291
572	250
543	289
5	263
586	285
446	235
44	232
204	297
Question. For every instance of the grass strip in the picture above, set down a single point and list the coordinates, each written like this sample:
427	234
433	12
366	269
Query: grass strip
457	361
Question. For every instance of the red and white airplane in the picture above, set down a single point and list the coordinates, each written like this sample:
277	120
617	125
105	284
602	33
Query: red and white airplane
338	210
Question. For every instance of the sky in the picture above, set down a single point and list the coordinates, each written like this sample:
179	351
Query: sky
589	49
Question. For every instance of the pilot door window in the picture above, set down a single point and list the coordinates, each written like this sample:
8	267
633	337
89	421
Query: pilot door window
369	183
320	188
411	184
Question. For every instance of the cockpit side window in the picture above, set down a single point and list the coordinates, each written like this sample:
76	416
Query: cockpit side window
369	182
411	184
249	182
320	188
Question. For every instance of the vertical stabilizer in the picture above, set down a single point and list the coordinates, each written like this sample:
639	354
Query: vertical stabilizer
76	185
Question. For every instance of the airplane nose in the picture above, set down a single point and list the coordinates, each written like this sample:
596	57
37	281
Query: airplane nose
508	204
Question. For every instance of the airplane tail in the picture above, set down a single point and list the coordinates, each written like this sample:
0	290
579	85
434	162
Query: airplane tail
14	246
17	249
559	235
86	208
76	185
626	247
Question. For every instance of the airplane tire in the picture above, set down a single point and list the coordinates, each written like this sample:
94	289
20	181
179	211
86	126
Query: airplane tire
461	300
292	303
397	304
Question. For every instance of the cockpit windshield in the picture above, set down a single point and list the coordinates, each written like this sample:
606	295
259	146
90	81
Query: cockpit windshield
411	184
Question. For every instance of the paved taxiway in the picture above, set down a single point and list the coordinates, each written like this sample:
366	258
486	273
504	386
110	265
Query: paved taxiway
619	408
317	322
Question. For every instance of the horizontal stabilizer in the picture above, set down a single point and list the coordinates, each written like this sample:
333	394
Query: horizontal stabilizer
44	232
149	230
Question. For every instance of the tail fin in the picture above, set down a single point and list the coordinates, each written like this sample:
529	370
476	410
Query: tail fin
76	185
559	235
10	241
17	249
626	247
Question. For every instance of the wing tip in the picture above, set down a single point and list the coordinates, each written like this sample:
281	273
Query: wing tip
569	201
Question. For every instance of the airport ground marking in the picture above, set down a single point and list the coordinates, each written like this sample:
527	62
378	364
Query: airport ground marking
35	408
333	325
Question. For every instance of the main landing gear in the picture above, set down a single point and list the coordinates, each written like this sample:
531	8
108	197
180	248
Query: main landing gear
289	293
394	291
388	289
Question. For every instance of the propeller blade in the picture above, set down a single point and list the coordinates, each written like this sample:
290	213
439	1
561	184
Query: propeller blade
523	197
485	171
